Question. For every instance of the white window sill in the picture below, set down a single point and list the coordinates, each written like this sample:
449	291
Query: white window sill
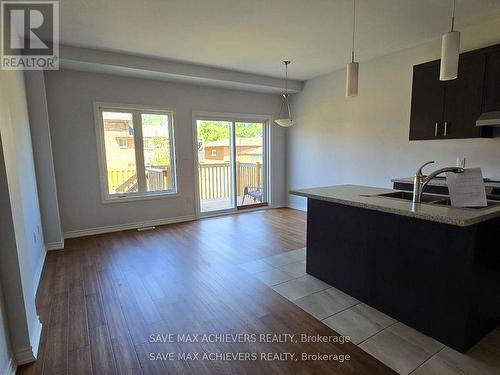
140	197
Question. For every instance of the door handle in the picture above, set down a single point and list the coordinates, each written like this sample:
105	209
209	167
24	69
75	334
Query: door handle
436	129
445	133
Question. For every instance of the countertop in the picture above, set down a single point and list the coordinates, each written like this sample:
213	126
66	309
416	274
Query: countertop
362	196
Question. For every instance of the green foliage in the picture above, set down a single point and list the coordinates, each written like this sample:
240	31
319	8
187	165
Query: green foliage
212	130
161	153
154	120
161	156
248	130
218	130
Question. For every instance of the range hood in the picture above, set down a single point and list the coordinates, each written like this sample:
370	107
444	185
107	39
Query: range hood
489	119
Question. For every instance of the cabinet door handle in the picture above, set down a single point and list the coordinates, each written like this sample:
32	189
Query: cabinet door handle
436	130
445	133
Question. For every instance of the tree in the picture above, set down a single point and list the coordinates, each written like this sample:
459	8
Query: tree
218	130
161	153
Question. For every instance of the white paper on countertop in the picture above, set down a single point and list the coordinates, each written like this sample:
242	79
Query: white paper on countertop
467	189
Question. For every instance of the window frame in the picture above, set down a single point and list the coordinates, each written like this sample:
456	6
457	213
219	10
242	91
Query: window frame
120	145
136	111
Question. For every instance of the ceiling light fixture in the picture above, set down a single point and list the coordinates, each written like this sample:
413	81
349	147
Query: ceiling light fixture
351	87
287	120
450	51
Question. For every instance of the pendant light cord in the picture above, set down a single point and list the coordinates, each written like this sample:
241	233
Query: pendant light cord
285	102
353	28
286	77
453	15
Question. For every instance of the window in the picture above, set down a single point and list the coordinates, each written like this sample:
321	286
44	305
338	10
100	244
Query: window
214	152
123	143
137	158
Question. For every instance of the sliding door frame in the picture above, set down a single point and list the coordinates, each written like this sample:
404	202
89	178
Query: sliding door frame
266	121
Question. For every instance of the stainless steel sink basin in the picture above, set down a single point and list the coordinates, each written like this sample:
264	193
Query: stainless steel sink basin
408	196
447	202
440	200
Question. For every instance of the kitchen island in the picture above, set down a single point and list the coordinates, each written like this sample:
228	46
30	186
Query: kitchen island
435	267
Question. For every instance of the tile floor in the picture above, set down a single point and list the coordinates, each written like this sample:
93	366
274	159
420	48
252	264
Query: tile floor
400	347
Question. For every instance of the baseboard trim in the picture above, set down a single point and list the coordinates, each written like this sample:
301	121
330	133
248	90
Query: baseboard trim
24	356
120	227
38	273
11	367
297	207
37	336
30	353
59	245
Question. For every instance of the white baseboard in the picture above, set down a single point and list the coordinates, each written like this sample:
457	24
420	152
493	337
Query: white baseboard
38	273
120	227
11	367
295	206
59	245
30	353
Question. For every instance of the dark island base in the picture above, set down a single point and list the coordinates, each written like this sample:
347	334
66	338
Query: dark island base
440	279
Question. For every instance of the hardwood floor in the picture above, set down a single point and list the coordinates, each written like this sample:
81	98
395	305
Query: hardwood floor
102	297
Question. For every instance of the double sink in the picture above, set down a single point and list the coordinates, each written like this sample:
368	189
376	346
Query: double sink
435	199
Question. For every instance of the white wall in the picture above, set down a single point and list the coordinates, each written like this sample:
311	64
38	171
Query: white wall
44	163
21	238
364	140
5	349
70	96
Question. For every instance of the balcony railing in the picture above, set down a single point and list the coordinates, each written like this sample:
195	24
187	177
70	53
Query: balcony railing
125	180
214	179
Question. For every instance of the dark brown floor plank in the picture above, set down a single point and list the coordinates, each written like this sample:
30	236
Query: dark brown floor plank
80	362
102	358
127	361
56	351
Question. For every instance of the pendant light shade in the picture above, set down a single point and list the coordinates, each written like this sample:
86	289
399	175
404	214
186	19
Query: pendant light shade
285	122
351	87
352	76
285	115
450	51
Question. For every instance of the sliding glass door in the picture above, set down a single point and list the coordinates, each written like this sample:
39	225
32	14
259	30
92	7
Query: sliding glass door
231	164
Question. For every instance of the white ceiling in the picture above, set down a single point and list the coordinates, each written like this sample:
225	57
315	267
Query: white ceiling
255	35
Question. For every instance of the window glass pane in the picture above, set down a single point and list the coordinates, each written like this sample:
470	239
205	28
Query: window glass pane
120	152
156	140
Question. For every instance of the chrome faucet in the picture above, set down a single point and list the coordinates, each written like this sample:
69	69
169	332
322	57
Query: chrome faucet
420	180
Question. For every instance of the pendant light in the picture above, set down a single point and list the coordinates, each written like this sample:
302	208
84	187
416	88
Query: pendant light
450	50
287	119
351	87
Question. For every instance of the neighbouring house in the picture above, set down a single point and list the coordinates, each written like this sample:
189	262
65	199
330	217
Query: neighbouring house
247	150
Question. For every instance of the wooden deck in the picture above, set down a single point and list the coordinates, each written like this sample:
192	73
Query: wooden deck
102	298
217	204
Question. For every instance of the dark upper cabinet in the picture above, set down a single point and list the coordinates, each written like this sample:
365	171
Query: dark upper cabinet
427	102
449	110
464	99
492	82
